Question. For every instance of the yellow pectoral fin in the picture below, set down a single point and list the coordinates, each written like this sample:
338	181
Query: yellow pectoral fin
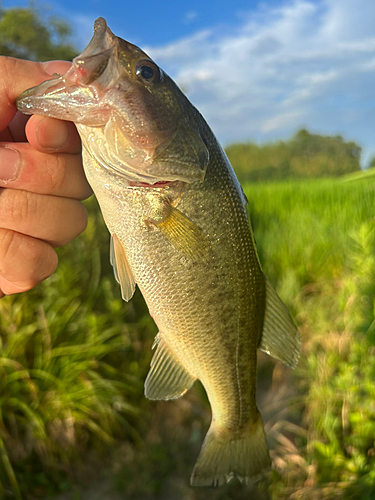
183	234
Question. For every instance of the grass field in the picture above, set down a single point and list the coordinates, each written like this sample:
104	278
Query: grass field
73	358
317	244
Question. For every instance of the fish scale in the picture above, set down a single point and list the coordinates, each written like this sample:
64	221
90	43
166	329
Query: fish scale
180	231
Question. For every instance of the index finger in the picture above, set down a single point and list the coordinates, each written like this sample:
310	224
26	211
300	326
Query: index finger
49	135
18	75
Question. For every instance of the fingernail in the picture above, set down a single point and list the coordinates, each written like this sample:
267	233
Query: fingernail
56	67
48	67
9	164
51	134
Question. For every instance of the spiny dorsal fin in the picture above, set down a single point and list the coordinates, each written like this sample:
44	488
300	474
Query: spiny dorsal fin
167	378
121	268
184	234
280	337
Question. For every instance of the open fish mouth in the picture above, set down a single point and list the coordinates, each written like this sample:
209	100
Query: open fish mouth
80	94
115	94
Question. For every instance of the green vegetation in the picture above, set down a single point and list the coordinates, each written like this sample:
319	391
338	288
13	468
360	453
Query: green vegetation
27	34
73	359
317	243
70	377
305	155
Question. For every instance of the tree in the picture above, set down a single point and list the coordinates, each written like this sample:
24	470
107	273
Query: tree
371	163
304	155
26	35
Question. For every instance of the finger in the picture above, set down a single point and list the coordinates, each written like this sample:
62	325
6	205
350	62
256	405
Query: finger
60	174
57	66
15	132
51	135
6	135
24	262
49	218
17	127
18	75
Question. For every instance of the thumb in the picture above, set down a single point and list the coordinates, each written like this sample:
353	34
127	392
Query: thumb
18	75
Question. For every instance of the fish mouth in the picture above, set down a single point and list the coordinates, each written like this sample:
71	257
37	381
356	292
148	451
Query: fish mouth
56	99
156	185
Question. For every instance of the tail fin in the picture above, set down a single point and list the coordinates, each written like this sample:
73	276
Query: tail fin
244	455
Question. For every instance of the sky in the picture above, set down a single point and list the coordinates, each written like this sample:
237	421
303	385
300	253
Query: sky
257	70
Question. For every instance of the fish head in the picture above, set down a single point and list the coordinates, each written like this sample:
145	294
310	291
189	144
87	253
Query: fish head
131	116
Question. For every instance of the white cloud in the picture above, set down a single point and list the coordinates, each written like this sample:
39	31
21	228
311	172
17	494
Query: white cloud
306	63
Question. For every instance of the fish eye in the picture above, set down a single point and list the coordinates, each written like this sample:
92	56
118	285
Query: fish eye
147	71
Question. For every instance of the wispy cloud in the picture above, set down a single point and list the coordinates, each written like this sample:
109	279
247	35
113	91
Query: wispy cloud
190	16
306	63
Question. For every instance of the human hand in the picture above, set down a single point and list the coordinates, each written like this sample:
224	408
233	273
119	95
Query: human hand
41	181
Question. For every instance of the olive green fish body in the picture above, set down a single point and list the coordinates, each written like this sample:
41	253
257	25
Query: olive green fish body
209	310
180	231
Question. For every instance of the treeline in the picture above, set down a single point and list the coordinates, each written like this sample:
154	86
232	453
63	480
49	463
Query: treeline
304	155
27	33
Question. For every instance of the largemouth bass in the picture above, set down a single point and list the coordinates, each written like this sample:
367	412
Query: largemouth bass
180	231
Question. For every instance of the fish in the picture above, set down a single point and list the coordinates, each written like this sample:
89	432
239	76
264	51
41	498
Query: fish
180	231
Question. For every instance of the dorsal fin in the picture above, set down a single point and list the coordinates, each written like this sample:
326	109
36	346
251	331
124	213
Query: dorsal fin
167	378
280	337
121	268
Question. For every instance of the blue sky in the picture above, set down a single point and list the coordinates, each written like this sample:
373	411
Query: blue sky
256	70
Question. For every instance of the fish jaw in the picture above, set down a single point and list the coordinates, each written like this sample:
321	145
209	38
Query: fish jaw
56	99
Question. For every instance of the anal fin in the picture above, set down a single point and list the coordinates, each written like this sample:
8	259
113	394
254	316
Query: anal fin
280	337
167	378
121	268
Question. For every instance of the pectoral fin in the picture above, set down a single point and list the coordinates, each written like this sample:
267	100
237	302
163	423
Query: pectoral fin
121	268
280	337
167	378
183	234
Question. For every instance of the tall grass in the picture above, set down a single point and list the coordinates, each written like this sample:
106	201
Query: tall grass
317	244
73	356
303	228
65	377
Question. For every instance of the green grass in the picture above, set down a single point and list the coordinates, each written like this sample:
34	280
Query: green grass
317	244
303	227
70	377
73	357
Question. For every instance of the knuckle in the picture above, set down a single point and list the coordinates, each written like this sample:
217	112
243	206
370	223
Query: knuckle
8	65
56	171
20	206
9	247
